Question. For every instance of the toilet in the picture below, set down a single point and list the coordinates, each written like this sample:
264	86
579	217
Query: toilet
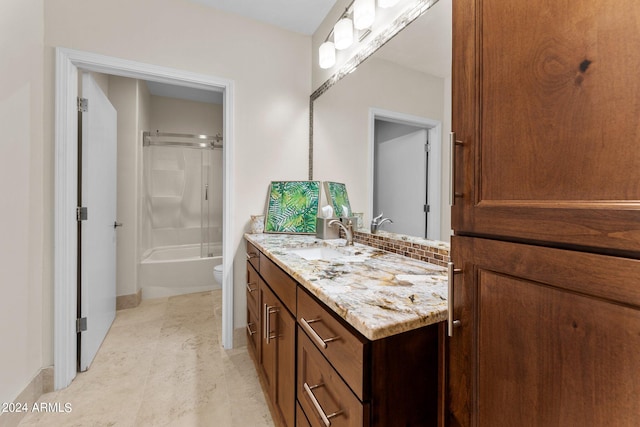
217	274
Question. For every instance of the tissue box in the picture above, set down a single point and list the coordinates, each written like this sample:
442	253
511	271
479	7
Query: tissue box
324	231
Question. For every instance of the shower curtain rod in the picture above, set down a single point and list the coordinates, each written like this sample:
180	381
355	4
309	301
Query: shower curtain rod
181	140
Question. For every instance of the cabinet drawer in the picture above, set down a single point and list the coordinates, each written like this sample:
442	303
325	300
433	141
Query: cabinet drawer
252	288
253	256
280	282
346	350
253	332
324	397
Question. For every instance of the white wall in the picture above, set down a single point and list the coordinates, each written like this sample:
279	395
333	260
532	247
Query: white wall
270	68
24	320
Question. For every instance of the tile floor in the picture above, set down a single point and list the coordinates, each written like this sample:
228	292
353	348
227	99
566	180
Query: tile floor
162	364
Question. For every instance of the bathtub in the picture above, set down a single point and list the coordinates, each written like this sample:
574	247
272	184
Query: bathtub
176	270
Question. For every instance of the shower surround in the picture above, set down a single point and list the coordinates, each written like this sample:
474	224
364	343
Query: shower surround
182	214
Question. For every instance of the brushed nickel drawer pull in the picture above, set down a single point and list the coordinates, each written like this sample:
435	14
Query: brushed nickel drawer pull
251	255
268	311
250	289
326	419
322	342
452	167
451	271
249	329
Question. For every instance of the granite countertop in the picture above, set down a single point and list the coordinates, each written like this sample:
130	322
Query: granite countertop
379	293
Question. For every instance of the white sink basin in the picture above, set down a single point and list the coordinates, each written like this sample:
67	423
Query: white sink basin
318	252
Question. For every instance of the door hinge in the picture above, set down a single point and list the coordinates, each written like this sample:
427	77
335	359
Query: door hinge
81	325
427	147
427	208
81	213
83	105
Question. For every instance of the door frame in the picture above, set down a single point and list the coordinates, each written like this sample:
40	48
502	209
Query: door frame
434	167
68	61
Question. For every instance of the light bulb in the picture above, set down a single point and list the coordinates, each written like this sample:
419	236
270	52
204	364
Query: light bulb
343	33
364	13
327	55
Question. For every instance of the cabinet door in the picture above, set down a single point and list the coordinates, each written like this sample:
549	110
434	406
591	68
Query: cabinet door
547	337
286	366
268	345
278	354
545	111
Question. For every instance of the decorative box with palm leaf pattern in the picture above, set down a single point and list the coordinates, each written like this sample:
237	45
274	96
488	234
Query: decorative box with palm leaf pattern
292	207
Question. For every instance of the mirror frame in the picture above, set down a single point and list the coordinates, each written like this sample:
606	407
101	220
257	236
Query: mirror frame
362	55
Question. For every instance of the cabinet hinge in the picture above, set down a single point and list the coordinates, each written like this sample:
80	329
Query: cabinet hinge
83	105
81	325
82	213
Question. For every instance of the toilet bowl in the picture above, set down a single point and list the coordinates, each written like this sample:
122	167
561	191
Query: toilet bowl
217	274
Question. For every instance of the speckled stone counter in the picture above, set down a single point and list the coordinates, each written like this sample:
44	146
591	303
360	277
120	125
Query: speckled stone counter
378	293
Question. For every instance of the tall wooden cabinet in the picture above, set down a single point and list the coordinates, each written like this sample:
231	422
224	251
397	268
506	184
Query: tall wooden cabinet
546	289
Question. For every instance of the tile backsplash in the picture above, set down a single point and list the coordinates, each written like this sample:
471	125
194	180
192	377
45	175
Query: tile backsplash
431	251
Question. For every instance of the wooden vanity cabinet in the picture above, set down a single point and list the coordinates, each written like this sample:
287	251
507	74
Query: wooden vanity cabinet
310	361
352	381
273	339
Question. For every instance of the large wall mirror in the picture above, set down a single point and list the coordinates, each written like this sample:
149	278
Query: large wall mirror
383	129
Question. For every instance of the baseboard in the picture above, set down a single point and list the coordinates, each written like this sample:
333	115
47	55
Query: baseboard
40	384
239	337
128	301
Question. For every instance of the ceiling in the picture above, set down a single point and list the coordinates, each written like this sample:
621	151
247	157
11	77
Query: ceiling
300	16
184	92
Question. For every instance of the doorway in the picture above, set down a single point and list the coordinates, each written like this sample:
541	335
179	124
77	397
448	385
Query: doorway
68	64
405	159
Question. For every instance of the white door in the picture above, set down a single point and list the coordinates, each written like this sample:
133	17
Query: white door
400	182
98	233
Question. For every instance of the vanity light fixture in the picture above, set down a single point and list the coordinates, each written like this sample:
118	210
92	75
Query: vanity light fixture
343	33
364	13
360	14
327	57
387	3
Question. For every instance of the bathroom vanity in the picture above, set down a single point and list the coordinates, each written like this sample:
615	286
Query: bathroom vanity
345	336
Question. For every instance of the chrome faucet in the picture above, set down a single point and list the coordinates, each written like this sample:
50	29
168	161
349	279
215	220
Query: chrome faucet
377	222
348	229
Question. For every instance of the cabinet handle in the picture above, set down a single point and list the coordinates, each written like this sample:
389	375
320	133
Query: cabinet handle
251	255
326	419
451	271
249	329
268	311
250	289
452	165
322	342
